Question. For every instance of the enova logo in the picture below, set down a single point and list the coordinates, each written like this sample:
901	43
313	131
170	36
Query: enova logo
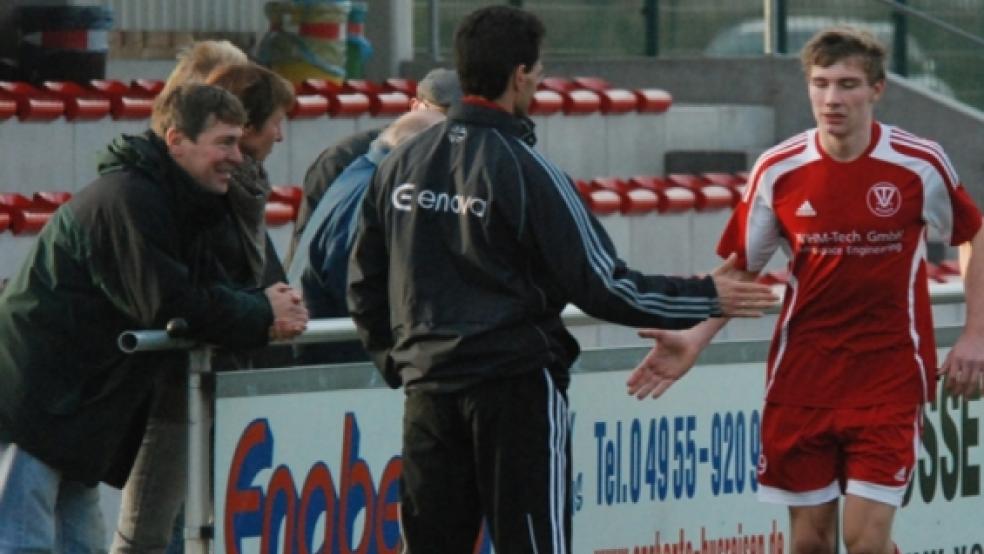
405	197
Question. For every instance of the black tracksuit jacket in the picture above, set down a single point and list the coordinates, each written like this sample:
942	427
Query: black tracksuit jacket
470	244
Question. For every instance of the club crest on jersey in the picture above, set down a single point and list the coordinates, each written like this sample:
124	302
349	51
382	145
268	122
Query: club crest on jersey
884	199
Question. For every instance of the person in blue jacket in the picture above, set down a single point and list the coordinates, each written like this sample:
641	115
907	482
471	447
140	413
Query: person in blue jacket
320	264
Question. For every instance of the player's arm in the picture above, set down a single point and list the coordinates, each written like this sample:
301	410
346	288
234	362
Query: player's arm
964	365
748	241
675	352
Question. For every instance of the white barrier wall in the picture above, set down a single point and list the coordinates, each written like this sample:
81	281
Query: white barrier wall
300	462
60	155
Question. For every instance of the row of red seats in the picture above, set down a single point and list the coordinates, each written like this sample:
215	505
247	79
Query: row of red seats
604	195
315	97
676	192
26	215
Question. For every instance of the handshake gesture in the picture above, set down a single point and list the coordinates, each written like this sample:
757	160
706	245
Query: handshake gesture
738	294
675	352
290	317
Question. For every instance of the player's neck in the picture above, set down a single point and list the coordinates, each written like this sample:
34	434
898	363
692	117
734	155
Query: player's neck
846	148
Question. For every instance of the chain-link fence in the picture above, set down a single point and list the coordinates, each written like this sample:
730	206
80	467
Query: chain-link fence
934	57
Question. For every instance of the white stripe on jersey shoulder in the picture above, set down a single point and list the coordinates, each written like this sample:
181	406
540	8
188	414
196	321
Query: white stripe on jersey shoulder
919	159
779	160
932	150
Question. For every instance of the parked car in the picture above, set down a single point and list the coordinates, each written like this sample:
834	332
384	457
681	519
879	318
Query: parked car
746	39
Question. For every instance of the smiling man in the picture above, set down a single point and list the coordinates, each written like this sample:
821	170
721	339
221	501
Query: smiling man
127	252
853	359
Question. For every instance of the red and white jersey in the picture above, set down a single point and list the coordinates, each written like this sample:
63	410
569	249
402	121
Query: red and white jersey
855	327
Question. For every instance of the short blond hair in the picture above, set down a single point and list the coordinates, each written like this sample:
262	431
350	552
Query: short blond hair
194	64
836	44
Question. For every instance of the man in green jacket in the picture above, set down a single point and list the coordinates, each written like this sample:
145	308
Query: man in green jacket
127	252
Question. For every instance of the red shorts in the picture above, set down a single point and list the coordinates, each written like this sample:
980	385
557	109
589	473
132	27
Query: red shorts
811	456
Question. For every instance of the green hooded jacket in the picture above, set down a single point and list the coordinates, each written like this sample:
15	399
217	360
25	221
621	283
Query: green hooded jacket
127	252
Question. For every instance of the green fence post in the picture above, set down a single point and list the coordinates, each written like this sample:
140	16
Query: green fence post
650	13
900	54
782	42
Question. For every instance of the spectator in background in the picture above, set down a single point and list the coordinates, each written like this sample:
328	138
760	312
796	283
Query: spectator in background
438	90
267	98
320	265
129	251
853	359
469	245
156	489
196	62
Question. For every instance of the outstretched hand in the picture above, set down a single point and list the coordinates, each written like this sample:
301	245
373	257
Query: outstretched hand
672	355
963	368
737	295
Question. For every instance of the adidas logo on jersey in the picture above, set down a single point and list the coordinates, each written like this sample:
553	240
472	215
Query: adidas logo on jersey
806	210
900	475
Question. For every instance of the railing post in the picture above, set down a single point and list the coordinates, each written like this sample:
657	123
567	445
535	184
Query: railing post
782	36
900	54
650	13
769	18
434	9
199	528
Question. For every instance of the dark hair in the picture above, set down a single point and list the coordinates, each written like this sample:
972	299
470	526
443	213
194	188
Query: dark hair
488	45
260	90
193	108
836	44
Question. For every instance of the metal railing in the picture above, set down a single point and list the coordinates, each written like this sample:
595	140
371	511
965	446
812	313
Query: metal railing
198	529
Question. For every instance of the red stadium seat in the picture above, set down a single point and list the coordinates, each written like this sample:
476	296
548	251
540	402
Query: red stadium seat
708	196
319	86
580	102
28	222
33	104
279	213
149	87
546	102
672	198
361	85
653	100
308	106
388	103
131	107
406	86
596	84
109	87
640	201
80	103
288	194
557	84
602	201
8	106
613	184
617	101
348	104
49	201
